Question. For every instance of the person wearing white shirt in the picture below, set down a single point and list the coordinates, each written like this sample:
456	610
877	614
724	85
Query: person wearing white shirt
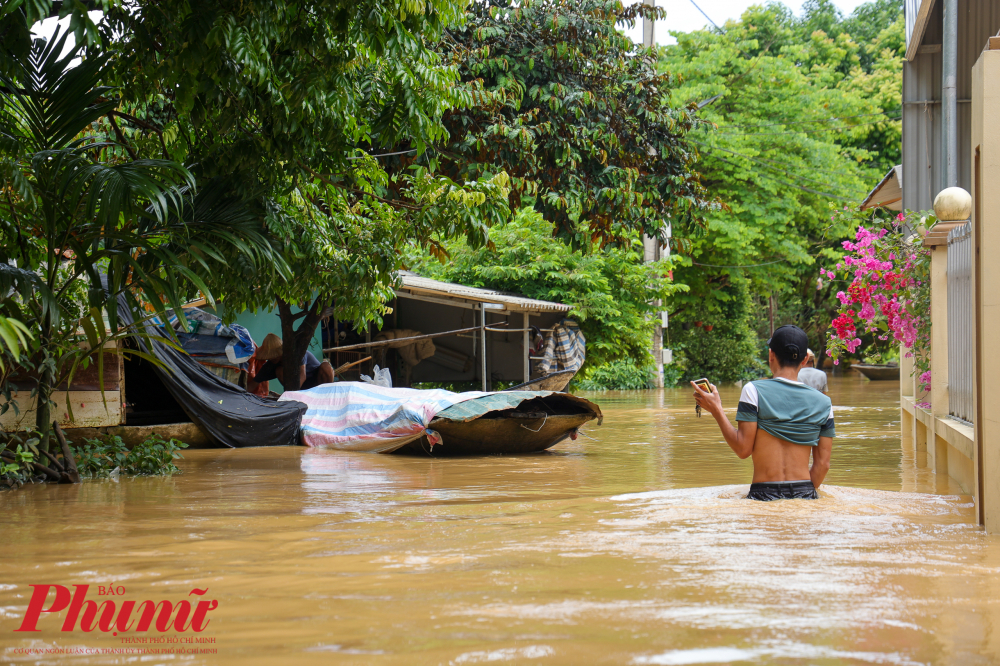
811	376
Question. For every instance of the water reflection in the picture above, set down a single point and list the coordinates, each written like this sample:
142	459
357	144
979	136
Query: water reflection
630	545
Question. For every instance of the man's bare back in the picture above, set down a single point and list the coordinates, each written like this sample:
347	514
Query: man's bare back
777	461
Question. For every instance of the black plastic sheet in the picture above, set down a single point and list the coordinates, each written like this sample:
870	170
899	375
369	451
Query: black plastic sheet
231	416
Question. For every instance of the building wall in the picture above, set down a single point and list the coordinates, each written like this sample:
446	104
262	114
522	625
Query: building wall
923	170
986	231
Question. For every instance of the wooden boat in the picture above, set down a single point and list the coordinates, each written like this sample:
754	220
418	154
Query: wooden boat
556	381
878	372
532	426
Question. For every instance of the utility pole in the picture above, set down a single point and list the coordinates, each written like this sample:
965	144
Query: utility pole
651	249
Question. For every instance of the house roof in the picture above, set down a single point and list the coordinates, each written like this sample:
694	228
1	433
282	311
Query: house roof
888	193
421	288
918	15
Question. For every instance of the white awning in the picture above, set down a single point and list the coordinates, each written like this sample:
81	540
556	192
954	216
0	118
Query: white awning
888	193
421	288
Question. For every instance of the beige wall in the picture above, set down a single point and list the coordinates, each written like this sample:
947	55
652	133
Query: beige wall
986	230
89	409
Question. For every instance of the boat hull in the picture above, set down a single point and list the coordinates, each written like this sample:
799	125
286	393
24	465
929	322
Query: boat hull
878	372
533	426
557	381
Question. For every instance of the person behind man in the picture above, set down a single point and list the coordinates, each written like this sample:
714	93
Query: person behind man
781	421
811	375
312	372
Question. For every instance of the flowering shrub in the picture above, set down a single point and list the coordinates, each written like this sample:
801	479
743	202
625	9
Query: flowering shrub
888	291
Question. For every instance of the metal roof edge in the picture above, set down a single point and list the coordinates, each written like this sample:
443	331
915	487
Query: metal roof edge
895	172
919	26
451	290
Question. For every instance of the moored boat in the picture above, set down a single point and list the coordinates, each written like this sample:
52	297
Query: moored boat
556	381
486	426
878	372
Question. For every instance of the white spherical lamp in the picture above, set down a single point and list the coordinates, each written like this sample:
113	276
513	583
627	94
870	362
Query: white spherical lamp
953	203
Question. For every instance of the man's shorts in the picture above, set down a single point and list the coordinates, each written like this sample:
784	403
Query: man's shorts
776	490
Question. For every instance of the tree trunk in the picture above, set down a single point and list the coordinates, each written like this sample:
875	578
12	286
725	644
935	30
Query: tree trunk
46	379
295	342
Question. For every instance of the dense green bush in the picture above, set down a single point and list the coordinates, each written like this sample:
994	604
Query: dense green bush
623	374
19	451
155	456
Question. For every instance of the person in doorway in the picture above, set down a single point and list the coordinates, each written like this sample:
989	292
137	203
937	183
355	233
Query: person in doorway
780	422
312	372
811	375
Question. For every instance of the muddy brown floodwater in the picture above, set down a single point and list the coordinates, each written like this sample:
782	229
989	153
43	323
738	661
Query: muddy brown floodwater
630	546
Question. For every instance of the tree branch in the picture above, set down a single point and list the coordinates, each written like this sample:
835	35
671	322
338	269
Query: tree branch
135	121
353	190
121	138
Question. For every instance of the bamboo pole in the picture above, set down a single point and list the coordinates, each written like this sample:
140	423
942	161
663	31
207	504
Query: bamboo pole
482	344
341	368
428	336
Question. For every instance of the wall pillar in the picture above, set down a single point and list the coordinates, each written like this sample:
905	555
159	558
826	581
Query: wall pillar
986	273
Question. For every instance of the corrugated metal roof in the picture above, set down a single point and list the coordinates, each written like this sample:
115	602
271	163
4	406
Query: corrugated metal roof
420	286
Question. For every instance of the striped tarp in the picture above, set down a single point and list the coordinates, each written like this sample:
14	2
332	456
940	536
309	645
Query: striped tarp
356	416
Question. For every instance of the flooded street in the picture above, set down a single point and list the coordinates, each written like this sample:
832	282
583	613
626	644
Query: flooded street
632	545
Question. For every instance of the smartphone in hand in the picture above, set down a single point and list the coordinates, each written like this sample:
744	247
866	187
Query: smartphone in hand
705	386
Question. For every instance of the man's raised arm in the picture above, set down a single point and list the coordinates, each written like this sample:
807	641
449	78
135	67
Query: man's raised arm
740	439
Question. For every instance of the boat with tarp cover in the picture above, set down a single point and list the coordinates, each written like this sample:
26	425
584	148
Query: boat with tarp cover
357	416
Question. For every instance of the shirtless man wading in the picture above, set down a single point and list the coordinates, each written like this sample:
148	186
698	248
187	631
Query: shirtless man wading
781	420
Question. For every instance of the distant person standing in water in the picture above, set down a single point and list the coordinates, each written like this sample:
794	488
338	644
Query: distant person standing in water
811	375
781	420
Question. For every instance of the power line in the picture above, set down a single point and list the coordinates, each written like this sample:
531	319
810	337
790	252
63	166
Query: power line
813	131
787	184
401	152
765	162
780	164
805	122
769	263
707	17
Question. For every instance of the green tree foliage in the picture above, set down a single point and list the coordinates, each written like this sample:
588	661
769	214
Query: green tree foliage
722	346
622	374
610	290
81	222
575	113
794	121
284	103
